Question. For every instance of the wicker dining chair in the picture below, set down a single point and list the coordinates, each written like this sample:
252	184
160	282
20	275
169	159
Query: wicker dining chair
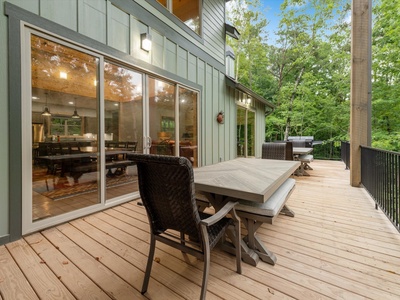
166	186
281	151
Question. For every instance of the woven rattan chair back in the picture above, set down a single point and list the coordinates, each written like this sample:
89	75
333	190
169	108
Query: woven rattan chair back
166	185
274	151
167	190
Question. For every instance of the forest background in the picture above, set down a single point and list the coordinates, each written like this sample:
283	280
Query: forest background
305	69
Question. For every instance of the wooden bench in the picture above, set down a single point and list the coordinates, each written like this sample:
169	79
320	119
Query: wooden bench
263	212
305	160
266	212
92	167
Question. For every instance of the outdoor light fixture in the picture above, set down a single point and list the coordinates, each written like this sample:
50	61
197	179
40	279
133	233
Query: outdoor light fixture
46	111
75	115
145	41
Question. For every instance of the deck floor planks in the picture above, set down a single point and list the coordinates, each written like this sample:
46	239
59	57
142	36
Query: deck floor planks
174	264
360	242
13	284
134	257
338	246
274	282
110	282
70	275
45	283
320	255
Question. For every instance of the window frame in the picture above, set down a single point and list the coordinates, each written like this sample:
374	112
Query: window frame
167	11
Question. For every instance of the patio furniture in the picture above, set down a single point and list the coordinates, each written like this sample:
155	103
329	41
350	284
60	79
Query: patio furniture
281	151
166	187
303	155
249	180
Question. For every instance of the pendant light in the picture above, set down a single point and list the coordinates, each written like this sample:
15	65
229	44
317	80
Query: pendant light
46	111
75	115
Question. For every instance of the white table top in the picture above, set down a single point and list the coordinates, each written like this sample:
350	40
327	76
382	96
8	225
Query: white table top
244	178
301	150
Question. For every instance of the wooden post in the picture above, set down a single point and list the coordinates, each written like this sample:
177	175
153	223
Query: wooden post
360	114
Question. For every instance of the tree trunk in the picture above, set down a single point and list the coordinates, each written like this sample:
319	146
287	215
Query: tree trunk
287	130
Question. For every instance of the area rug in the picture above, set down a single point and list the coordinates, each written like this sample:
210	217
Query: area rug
88	187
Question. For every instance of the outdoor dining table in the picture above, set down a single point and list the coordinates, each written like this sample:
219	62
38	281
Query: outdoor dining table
244	179
297	153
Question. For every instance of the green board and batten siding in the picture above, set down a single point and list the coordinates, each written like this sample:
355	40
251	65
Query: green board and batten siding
4	129
176	54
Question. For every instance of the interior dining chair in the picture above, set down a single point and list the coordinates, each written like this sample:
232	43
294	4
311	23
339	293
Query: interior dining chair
166	186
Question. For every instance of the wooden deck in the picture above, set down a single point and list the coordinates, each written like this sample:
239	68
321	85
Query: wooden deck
336	247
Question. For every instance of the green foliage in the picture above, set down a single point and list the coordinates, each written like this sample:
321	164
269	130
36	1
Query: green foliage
386	76
306	72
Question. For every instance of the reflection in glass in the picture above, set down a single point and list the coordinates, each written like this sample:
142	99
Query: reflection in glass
123	125
188	11
65	174
162	117
241	132
188	125
251	116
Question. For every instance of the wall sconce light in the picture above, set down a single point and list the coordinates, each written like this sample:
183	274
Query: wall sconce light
46	111
145	41
63	75
220	117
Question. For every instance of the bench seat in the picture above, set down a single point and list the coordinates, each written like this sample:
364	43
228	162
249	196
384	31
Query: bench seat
92	167
306	158
267	211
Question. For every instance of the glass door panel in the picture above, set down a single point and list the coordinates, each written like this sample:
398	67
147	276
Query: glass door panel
251	125
188	125
161	117
123	125
65	123
241	132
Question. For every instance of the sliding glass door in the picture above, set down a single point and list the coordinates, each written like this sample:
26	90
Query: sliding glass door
172	120
65	124
245	132
123	128
87	115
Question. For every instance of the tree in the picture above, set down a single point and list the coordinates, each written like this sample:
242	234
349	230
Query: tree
311	68
386	75
250	50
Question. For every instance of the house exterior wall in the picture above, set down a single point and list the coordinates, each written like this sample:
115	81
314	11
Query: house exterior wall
113	27
4	129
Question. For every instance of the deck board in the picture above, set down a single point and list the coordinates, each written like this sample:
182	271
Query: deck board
338	246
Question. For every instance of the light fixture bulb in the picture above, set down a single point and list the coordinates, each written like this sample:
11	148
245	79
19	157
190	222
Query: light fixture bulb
145	41
46	111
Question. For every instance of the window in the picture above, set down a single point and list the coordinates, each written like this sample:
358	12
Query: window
63	126
188	11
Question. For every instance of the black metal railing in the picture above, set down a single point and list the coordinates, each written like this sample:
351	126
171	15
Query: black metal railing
380	175
345	153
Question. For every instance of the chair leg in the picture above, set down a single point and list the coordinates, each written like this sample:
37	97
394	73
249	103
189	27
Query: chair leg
205	272
149	264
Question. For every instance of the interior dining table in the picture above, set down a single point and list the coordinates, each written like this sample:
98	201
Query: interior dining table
248	179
